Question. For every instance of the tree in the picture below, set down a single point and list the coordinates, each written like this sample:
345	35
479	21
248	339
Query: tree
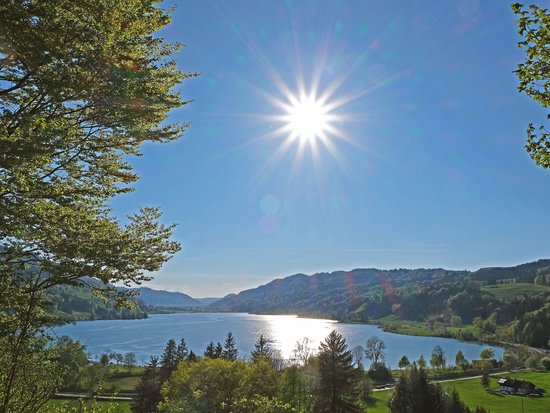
403	362
438	358
118	358
460	360
413	393
422	362
130	360
545	362
104	359
148	389
230	348
339	380
534	73
182	351
83	84
357	353
206	386
375	349
485	382
302	352
168	360
487	354
261	349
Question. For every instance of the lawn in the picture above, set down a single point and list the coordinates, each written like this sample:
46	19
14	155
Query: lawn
59	406
512	290
471	392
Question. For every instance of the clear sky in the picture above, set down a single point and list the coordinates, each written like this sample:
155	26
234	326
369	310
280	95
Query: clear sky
419	161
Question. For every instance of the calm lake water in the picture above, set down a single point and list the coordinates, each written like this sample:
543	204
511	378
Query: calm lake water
149	336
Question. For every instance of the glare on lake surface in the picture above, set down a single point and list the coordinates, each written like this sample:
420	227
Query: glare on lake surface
148	337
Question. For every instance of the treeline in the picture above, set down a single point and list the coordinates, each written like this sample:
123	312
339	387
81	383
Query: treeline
331	379
79	303
509	304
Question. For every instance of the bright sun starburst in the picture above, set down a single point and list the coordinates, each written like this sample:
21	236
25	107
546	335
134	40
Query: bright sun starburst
307	118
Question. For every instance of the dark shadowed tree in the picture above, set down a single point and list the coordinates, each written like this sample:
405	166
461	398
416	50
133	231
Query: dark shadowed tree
230	348
339	382
261	349
168	360
148	389
182	351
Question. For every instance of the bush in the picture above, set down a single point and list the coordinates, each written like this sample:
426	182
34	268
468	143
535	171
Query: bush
380	373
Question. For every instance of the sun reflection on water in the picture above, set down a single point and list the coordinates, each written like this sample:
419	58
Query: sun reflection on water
285	331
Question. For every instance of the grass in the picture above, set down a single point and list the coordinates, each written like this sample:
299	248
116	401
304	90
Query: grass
512	290
59	405
473	395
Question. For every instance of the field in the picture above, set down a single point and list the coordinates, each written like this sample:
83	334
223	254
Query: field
63	406
473	394
510	291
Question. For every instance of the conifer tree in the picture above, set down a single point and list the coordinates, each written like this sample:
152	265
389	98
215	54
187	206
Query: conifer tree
261	349
338	390
168	360
182	351
148	389
230	348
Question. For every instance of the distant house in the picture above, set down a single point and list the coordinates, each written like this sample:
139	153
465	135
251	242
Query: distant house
520	387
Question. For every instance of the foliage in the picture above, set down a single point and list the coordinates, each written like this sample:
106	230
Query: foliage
438	359
534	74
83	85
148	390
413	393
261	349
230	351
207	385
403	362
375	349
339	380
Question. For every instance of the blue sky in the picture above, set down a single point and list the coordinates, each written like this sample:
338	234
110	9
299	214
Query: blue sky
426	168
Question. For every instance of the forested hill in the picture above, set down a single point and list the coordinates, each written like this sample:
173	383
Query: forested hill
345	295
510	303
161	298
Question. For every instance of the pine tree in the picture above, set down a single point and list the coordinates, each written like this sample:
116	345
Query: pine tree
210	351
261	349
182	352
339	381
230	348
168	360
148	389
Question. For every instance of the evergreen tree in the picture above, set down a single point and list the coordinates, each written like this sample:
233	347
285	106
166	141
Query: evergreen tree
181	352
210	351
168	360
218	351
261	349
230	348
413	393
148	389
339	381
192	357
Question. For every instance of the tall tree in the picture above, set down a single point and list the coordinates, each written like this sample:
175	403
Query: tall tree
82	85
148	389
375	349
182	351
261	349
534	73
168	360
230	351
339	381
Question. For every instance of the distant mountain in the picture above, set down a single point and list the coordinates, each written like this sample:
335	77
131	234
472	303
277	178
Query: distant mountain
360	294
161	298
208	300
370	294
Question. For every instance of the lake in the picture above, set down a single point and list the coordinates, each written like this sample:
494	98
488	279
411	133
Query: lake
148	336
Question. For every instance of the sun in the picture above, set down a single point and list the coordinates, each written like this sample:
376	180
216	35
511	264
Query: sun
307	118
